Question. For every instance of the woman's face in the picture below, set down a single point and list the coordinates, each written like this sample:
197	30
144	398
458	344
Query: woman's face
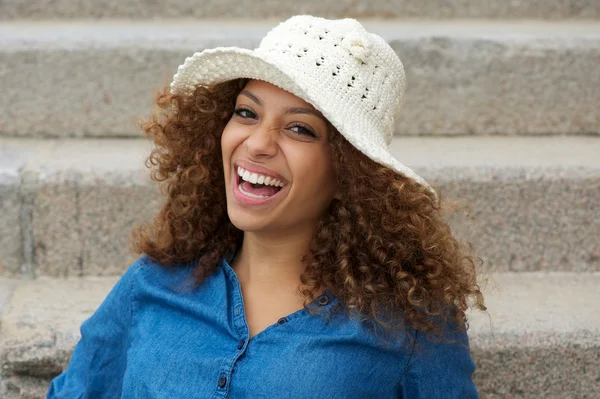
279	139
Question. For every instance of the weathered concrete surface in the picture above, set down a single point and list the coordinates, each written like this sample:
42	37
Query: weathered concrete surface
6	289
526	203
537	339
464	77
23	387
81	222
534	202
86	197
11	242
40	327
540	9
540	338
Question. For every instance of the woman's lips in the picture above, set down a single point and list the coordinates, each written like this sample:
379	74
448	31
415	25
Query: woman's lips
246	200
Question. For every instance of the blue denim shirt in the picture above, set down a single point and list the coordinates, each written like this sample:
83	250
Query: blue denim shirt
149	339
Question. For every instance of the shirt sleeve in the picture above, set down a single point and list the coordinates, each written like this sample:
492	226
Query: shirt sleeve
98	361
439	370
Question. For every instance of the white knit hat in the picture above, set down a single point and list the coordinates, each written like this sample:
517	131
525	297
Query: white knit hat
353	77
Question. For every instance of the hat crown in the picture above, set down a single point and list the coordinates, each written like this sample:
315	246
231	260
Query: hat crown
342	58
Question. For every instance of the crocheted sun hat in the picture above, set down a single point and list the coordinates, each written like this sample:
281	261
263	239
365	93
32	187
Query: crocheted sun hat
353	77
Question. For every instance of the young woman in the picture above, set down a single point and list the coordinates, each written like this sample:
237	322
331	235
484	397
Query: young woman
294	257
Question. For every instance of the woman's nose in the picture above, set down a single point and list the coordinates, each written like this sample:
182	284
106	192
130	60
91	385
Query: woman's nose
262	141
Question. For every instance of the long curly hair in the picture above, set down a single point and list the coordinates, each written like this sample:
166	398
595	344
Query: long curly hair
382	248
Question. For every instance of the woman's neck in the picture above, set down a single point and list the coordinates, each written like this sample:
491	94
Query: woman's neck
268	262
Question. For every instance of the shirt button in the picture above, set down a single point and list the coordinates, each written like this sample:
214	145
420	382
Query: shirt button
222	381
282	320
323	300
238	310
241	344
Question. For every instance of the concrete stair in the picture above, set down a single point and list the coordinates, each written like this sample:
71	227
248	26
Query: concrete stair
528	203
531	345
220	9
78	78
500	112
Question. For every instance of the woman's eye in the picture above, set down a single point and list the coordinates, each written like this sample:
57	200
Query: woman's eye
244	113
303	130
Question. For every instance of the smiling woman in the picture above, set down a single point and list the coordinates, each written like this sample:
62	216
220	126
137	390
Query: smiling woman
294	256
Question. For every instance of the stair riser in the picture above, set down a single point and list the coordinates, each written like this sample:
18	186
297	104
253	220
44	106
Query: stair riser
554	373
464	83
46	9
80	225
532	373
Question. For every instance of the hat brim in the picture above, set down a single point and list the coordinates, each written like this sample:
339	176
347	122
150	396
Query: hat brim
223	64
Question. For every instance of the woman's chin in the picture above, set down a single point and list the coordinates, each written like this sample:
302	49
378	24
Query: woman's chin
248	226
246	220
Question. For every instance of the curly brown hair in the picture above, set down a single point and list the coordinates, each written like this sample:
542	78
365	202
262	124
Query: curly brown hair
382	248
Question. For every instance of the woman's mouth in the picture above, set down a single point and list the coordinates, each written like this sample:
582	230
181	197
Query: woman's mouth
255	189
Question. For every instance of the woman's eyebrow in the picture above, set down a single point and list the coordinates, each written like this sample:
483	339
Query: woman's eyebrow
288	110
303	110
251	96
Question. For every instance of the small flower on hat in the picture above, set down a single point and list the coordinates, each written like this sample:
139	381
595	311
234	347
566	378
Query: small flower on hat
359	47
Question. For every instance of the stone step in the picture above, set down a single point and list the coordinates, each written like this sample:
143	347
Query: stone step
435	9
529	203
537	339
97	78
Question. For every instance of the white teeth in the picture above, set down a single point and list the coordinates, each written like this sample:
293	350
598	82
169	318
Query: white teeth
250	194
257	178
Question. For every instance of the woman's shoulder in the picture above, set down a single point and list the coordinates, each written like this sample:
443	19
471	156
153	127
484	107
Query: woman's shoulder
141	267
146	273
